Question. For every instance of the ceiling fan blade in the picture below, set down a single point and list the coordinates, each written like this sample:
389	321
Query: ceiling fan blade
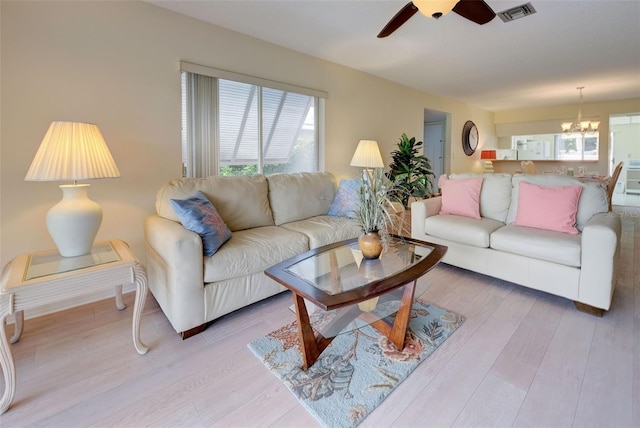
475	10
400	18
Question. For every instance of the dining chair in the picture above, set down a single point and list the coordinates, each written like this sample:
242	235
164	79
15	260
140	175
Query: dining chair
611	184
528	167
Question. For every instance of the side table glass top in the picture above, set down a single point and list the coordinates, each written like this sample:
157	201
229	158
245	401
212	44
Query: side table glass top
52	263
343	268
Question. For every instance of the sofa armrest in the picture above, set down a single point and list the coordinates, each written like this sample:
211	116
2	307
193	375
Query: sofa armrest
420	210
175	271
600	250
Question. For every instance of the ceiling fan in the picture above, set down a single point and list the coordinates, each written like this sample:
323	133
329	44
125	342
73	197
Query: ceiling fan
474	10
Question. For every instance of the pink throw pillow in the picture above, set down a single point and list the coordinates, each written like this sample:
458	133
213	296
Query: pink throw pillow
548	207
461	196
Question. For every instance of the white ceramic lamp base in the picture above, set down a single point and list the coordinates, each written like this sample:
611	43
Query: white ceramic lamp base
488	166
73	222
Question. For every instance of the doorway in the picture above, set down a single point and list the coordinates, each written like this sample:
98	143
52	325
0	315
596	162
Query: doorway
435	125
624	134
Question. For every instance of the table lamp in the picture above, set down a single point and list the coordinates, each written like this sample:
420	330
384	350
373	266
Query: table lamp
367	155
489	156
72	151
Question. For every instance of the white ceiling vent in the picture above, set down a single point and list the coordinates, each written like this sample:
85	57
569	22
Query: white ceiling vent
516	12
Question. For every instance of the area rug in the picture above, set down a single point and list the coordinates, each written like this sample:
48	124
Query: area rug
359	369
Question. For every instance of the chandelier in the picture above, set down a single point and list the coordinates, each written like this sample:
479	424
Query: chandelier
582	126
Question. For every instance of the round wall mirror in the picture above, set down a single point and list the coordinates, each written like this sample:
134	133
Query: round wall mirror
470	138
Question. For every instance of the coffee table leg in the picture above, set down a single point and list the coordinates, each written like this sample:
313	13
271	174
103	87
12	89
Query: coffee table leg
310	345
307	338
396	332
400	324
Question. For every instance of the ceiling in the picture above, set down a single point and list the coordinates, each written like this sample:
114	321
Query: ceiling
538	60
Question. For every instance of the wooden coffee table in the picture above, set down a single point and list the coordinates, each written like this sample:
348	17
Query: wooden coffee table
336	277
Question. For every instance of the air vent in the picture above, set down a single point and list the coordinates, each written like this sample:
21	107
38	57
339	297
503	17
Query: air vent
517	12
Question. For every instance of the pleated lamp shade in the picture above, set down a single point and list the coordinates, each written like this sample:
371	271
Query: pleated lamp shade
367	155
488	156
72	151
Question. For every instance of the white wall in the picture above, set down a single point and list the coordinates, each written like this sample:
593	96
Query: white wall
116	64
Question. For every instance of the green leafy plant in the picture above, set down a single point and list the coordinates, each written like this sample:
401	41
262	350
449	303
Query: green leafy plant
410	173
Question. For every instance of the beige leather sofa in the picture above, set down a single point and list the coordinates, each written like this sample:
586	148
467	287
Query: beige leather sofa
579	267
271	218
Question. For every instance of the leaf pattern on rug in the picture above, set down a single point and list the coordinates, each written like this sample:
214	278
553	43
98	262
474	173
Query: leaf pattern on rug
419	311
411	351
287	335
359	369
329	374
452	321
433	331
357	413
391	380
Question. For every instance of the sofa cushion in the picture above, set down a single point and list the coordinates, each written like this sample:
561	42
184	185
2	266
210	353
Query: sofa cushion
199	215
242	201
548	207
461	196
495	195
324	230
593	198
300	196
556	247
460	229
253	250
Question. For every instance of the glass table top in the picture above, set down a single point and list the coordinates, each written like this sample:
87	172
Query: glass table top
343	268
328	323
52	263
343	291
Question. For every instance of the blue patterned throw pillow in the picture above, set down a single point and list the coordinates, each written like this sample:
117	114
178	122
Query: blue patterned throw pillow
199	215
347	200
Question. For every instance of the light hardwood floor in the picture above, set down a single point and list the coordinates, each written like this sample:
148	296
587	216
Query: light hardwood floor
522	358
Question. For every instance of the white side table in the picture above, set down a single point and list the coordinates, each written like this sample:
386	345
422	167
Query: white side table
33	280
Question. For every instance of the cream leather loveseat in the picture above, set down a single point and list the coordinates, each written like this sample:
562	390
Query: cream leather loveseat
580	267
271	218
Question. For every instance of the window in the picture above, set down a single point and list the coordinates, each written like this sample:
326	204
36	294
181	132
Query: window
577	147
238	125
556	146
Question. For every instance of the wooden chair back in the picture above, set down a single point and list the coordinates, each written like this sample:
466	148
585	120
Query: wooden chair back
528	167
611	184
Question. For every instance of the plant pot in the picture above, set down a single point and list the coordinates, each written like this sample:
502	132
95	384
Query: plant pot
371	245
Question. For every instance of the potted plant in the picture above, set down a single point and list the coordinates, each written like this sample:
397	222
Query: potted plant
373	213
410	173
